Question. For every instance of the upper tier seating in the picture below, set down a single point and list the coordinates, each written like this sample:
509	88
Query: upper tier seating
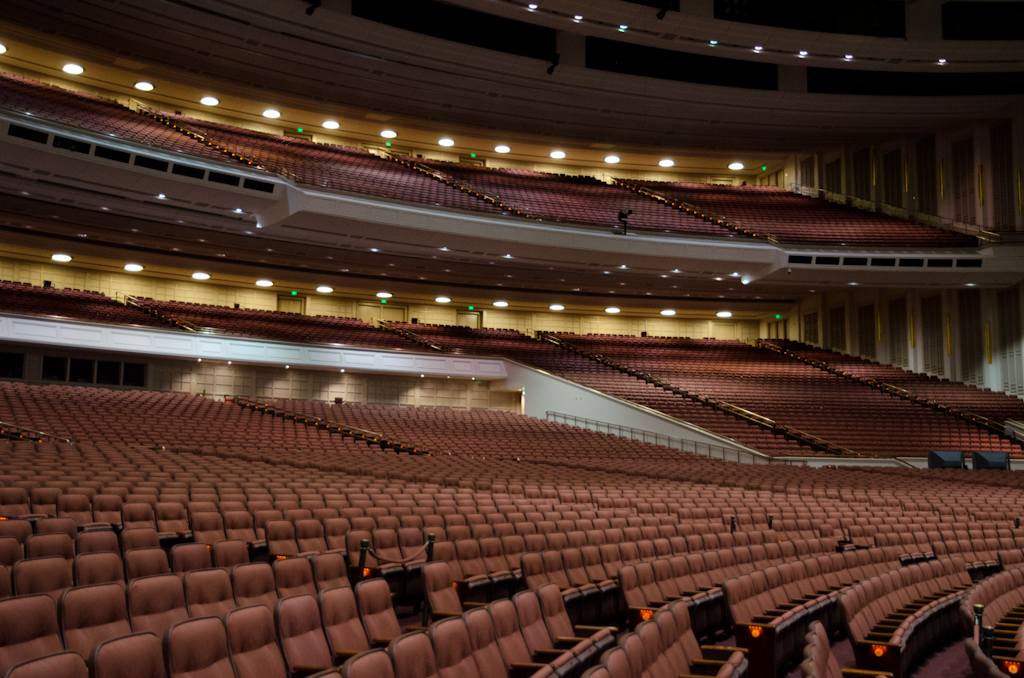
78	304
339	167
789	217
95	114
994	405
276	325
794	394
580	200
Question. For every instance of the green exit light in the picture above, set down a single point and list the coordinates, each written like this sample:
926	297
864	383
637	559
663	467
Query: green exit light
294	293
387	143
470	308
778	316
764	168
472	155
300	129
383	301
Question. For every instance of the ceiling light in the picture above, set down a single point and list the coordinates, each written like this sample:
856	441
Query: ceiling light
161	196
666	163
849	57
942	61
556	307
578	18
324	289
803	53
389	134
73	69
612	309
198	275
264	283
384	295
713	42
62	258
209	101
668	311
501	304
557	155
623	27
3	48
330	124
735	165
374	249
271	113
969	284
133	268
611	159
724	314
446	142
443	300
532	5
501	148
144	86
758	48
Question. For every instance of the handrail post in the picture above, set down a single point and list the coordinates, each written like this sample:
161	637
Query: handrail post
364	547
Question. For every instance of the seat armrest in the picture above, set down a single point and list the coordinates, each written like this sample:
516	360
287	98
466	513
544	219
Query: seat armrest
864	672
470	604
594	629
570	639
722	648
380	642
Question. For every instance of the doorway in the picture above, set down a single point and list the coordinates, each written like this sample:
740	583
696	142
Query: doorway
469	319
291	304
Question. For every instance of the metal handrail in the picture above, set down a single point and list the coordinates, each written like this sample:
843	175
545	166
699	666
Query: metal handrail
319	422
705	449
13	430
402	332
130	300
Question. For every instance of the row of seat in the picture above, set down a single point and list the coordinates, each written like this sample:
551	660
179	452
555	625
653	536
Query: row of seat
1000	601
893	619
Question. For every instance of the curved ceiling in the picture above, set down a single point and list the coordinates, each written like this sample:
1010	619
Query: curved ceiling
334	64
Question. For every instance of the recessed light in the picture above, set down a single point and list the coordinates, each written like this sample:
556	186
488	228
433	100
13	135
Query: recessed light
557	155
501	304
446	142
666	163
374	249
133	268
199	275
384	295
611	159
161	196
735	165
623	27
62	258
802	53
942	61
209	101
144	86
969	284
443	300
532	5
238	210
272	113
264	283
849	57
507	256
578	17
3	48
724	314
389	134
612	309
324	289
556	307
758	48
330	124
501	148
853	283
73	69
712	42
668	311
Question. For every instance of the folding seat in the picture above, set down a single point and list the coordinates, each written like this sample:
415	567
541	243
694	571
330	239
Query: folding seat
198	648
101	567
19	530
253	584
50	575
208	527
137	515
389	557
412	656
59	665
14	502
171	518
334	532
28	629
535	632
561	629
252	643
228	553
208	593
293	577
97	541
309	534
92	614
342	626
375	610
45	545
139	538
371	664
145	562
106	508
189	557
156	603
44	500
301	635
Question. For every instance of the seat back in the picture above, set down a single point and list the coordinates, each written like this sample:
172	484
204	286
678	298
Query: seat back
99	568
208	593
300	633
412	655
252	643
156	603
198	648
28	629
372	664
51	575
139	655
90	615
60	665
188	557
342	626
253	584
294	577
453	653
375	610
330	571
